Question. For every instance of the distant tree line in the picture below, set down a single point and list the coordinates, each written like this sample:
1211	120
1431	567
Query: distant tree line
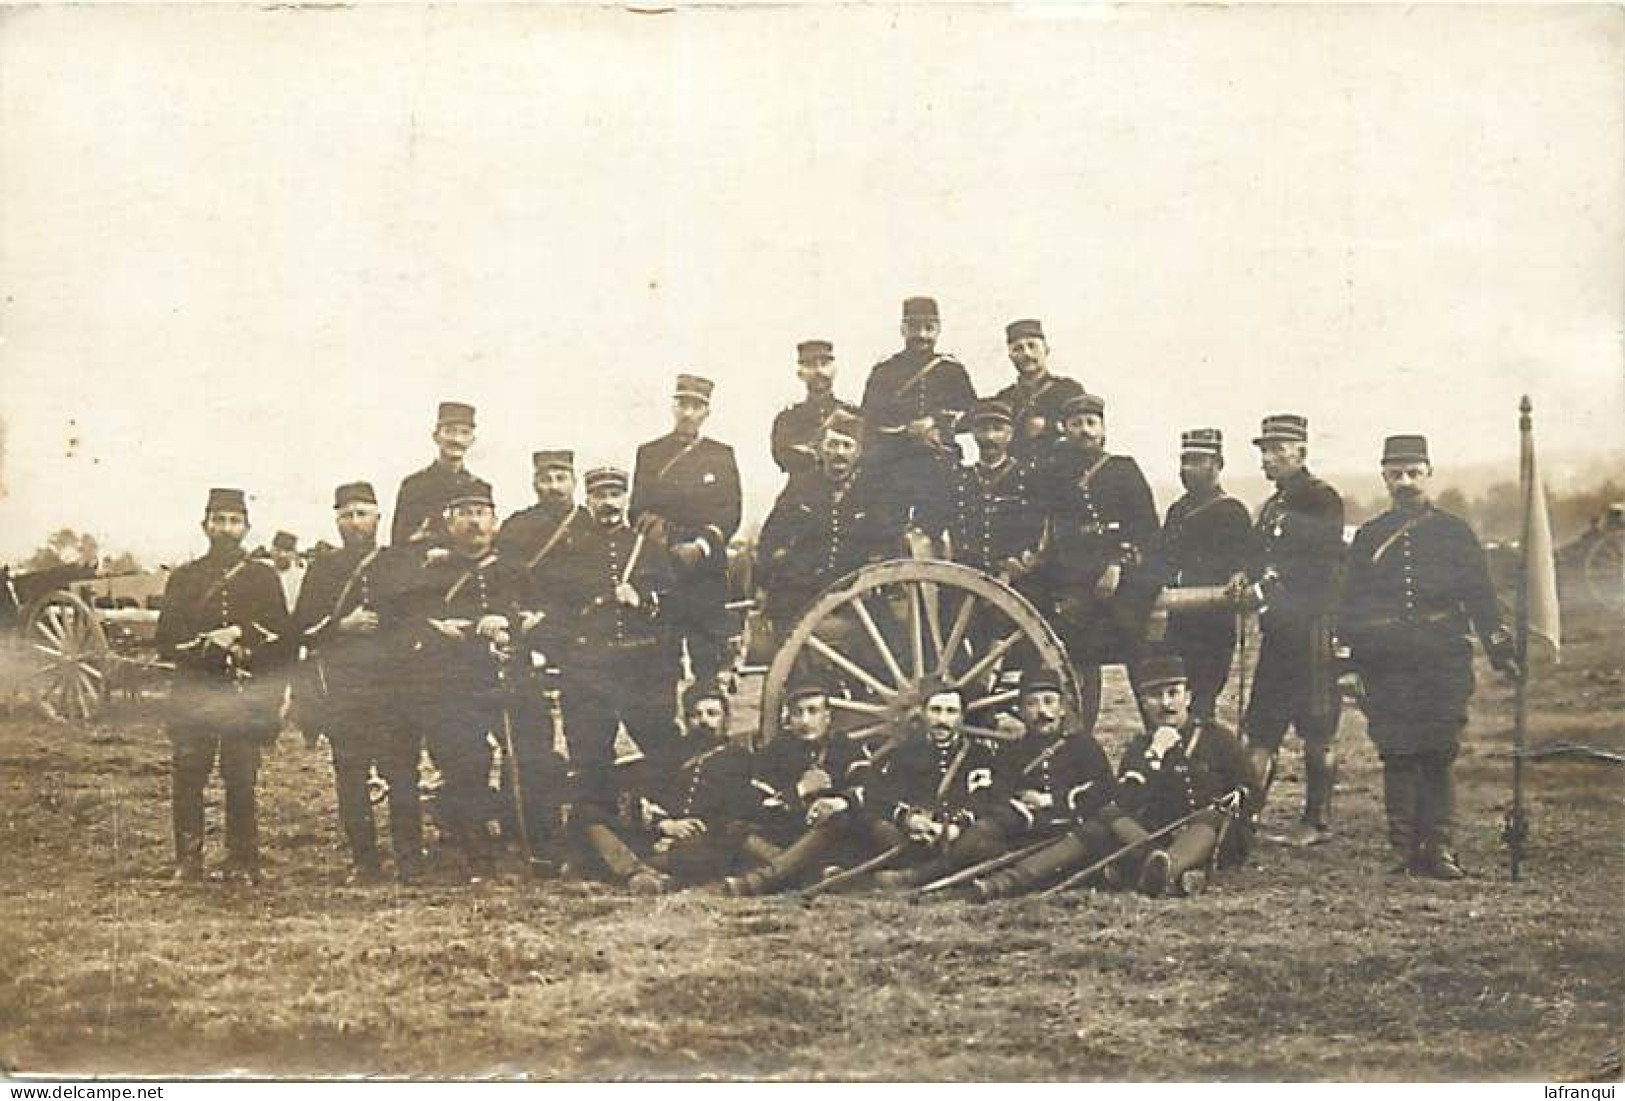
1496	513
66	547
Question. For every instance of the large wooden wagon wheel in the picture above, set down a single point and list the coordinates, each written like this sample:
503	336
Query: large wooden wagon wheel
69	654
1605	570
893	633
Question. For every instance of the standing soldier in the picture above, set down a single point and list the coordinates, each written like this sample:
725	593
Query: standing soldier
420	506
225	625
1417	580
686	498
1205	539
538	538
469	610
797	428
995	523
337	618
1037	396
1102	568
823	526
290	573
604	597
1291	579
902	402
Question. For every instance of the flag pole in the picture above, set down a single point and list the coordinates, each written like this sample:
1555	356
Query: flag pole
1516	829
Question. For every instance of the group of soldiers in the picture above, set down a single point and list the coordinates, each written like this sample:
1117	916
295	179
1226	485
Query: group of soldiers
478	641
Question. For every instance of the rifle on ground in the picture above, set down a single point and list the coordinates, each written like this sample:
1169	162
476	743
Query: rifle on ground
994	864
1078	877
857	871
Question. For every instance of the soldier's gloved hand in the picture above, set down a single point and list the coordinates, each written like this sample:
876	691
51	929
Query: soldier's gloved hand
223	638
921	428
361	620
680	829
1110	578
813	781
1009	725
652	526
1037	800
825	807
921	828
1352	686
1236	588
626	594
454	629
1503	654
1231	801
529	620
492	627
689	554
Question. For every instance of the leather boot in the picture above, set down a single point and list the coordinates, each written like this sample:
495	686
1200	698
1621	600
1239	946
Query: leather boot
1261	763
1190	855
789	865
1071	851
1319	778
1436	811
1399	797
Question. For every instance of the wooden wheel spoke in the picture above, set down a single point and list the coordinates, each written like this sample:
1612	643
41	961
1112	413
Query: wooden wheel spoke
869	730
995	699
58	655
990	732
861	707
835	657
51	631
956	635
861	610
988	660
90	670
916	631
931	596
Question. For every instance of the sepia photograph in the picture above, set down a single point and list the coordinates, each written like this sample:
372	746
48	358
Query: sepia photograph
811	542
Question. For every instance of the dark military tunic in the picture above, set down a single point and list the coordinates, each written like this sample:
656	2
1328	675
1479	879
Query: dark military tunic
693	485
1037	410
711	784
220	707
900	389
1166	774
617	662
1296	559
421	502
1206	541
1417	585
957	782
1071	769
1101	513
995	514
535	536
819	531
349	694
797	430
790	773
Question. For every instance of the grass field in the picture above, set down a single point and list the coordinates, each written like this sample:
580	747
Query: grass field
1307	964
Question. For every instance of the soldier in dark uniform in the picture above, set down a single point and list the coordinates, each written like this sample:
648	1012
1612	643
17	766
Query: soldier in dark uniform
1102	567
420	506
685	496
604	598
225	625
1292	578
1179	765
538	538
1206	536
823	526
799	427
469	610
1057	774
902	401
1417	581
995	522
809	787
1037	396
349	696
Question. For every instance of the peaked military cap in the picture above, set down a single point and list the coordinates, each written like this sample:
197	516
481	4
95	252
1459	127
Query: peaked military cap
814	349
1289	427
548	460
352	492
476	491
806	685
227	500
843	423
693	386
921	308
455	412
1202	441
1036	676
284	541
1083	403
1159	671
703	689
987	409
605	477
1405	449
1021	330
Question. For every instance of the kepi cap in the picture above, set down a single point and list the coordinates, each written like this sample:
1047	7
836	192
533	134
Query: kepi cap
455	412
1021	330
1083	403
548	460
284	541
806	685
693	386
1159	671
814	350
844	423
1202	441
475	491
987	409
1405	449
703	689
605	477
921	308
352	492
227	500
1288	427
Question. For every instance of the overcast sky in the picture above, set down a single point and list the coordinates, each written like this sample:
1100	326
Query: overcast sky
254	247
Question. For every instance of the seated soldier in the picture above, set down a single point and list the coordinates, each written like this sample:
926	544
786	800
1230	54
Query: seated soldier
810	791
934	788
697	819
1058	775
1182	768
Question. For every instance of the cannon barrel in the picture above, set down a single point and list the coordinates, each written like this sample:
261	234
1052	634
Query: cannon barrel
1195	598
